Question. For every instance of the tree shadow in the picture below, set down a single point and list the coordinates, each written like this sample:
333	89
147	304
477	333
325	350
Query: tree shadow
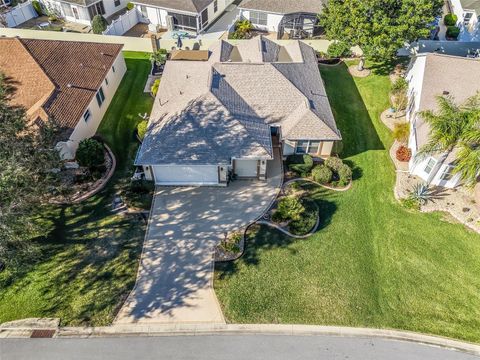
352	116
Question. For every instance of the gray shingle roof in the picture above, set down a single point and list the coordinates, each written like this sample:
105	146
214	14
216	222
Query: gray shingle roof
471	5
284	6
209	112
193	6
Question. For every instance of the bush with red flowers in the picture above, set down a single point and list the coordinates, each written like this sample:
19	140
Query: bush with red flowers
404	153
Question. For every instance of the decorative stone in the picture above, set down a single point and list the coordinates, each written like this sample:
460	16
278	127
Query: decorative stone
71	165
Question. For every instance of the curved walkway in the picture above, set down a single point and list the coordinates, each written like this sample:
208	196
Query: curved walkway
174	281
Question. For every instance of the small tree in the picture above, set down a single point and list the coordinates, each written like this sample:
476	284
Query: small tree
90	153
450	20
401	131
99	24
159	57
338	49
37	7
290	208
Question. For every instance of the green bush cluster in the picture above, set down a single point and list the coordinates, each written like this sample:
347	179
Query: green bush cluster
306	222
450	20
155	86
322	174
338	49
37	7
453	32
301	164
99	24
90	153
142	129
289	208
344	175
130	6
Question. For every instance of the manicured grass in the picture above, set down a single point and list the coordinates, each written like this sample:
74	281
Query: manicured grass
372	263
88	256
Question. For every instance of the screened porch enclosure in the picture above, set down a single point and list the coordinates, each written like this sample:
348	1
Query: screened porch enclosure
299	26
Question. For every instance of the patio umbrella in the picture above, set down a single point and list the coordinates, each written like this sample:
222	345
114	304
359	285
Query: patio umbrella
179	42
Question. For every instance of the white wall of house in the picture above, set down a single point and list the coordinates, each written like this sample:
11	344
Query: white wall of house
86	129
324	149
273	20
428	168
82	11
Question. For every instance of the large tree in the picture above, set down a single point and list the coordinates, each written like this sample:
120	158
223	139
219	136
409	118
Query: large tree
27	158
379	27
455	129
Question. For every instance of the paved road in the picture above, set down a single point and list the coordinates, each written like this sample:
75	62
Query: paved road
174	284
252	347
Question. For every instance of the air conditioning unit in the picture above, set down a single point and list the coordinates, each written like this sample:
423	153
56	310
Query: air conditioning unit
170	23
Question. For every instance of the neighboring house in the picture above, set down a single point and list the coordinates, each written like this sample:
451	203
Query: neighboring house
189	15
70	82
430	76
468	12
290	19
226	113
83	11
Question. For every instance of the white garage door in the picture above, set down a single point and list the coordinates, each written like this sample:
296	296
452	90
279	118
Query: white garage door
185	175
246	168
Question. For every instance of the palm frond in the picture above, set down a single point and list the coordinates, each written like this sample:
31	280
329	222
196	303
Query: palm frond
468	163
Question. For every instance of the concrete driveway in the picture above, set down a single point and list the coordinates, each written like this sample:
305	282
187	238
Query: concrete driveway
175	279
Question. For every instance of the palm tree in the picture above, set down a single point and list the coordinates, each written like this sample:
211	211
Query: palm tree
455	127
244	26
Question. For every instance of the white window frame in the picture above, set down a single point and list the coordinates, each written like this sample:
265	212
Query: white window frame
431	166
448	171
215	6
100	96
259	18
308	147
87	115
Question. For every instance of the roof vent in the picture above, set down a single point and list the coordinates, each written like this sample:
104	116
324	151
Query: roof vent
69	85
445	92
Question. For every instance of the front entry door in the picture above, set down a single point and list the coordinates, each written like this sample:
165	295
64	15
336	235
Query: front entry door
75	12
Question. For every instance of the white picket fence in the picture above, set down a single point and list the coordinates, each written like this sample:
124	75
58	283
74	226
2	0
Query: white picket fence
19	14
123	23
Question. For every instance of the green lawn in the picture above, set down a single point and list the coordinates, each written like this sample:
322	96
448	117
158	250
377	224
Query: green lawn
372	263
88	256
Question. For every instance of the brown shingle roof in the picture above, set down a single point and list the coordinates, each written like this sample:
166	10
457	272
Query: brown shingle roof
77	69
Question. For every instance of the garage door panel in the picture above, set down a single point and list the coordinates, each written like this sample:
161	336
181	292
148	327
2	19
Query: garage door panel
246	168
185	175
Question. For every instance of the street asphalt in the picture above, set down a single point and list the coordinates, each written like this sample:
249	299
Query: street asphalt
224	347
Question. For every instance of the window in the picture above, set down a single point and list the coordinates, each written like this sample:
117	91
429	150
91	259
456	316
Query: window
185	21
215	6
448	173
116	3
302	147
314	147
143	10
67	9
258	18
431	163
106	81
467	17
100	97
204	17
87	115
96	9
113	68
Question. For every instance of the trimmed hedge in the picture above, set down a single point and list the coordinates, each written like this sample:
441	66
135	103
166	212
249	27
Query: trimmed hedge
322	174
301	164
450	20
453	32
334	163
344	175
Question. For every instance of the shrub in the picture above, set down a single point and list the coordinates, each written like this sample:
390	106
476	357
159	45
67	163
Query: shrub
401	131
289	208
338	49
301	164
142	129
242	30
450	20
421	194
453	32
344	175
410	203
334	163
322	174
400	85
154	88
306	222
130	6
37	7
99	24
140	186
90	153
403	153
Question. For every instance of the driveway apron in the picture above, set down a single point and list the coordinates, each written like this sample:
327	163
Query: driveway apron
175	278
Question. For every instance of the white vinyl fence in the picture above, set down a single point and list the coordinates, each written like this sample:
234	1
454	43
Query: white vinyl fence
19	14
123	23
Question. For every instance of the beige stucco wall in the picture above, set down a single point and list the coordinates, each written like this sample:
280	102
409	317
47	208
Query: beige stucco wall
85	130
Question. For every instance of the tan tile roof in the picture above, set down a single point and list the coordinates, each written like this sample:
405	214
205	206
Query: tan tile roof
31	86
76	69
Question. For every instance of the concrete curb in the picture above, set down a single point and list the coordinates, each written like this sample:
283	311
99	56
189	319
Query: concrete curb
199	329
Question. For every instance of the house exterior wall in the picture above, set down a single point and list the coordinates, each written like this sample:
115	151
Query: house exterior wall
273	20
417	167
325	148
85	130
84	16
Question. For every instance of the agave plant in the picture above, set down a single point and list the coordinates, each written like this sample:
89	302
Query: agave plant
421	193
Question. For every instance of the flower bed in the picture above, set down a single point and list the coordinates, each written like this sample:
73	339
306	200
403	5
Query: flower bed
231	247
